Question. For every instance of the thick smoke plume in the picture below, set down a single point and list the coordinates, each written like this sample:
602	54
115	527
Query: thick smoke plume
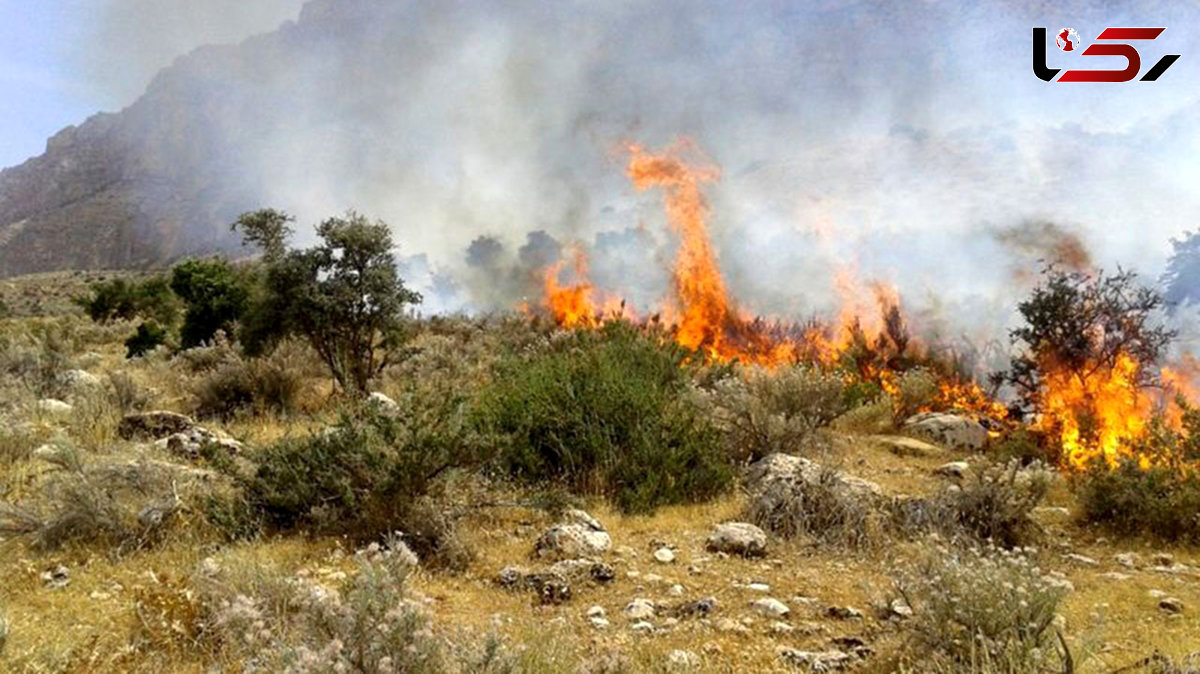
906	142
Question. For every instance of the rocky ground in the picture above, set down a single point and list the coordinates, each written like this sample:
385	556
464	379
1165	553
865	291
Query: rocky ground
689	588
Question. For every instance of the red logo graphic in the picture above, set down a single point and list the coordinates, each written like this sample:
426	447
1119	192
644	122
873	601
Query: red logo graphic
1068	40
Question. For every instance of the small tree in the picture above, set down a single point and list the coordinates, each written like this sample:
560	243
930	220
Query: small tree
214	296
1082	324
344	295
121	298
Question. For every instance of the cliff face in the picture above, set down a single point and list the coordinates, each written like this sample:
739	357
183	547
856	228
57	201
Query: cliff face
164	177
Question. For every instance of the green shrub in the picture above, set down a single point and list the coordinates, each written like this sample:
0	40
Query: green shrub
122	298
1161	501
148	337
765	411
606	412
982	610
234	382
369	475
214	295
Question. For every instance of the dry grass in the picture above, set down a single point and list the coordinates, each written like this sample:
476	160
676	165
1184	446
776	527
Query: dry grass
135	613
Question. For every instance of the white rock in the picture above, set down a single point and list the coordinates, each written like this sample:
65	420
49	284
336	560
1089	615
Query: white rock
664	555
599	622
738	538
579	535
639	609
954	469
642	626
1129	560
676	590
54	408
382	403
758	587
596	612
817	661
948	430
770	607
1080	559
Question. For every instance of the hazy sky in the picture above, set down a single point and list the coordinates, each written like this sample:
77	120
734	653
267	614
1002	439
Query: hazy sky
63	60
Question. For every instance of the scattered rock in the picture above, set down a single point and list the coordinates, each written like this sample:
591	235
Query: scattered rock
1163	559
639	609
511	576
1171	605
948	430
579	535
153	425
551	588
738	538
680	659
817	661
191	443
758	587
54	407
599	622
770	607
642	626
780	627
583	569
596	612
664	555
955	469
56	578
698	608
1080	559
1116	575
676	590
79	381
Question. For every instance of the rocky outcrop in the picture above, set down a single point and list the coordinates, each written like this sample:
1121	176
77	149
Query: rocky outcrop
948	430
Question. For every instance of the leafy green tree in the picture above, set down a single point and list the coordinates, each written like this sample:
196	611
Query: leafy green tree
214	295
345	295
149	336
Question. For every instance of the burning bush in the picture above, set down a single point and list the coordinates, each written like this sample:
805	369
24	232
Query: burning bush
1089	347
607	412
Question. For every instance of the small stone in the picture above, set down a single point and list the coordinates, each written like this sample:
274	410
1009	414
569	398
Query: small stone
816	661
1128	560
642	626
1163	559
695	570
54	408
639	609
676	590
780	627
664	555
680	659
56	578
844	613
596	612
728	625
1157	594
670	622
599	622
1171	605
700	607
1116	575
738	538
1080	559
758	587
653	578
954	469
382	403
900	609
770	607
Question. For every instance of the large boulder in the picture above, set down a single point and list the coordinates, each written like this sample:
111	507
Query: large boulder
577	535
738	538
154	425
785	492
779	475
948	430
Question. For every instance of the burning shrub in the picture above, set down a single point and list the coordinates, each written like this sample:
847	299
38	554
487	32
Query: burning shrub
1089	344
606	412
984	609
764	411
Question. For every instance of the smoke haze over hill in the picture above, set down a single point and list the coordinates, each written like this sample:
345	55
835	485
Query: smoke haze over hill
895	140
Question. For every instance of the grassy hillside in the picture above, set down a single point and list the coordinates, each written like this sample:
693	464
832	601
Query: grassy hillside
272	552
